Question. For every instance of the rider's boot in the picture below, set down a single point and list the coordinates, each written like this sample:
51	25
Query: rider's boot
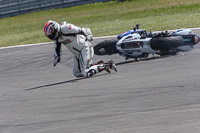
100	66
91	73
99	62
110	65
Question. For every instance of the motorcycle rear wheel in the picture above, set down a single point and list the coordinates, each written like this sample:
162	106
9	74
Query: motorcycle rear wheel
107	47
166	42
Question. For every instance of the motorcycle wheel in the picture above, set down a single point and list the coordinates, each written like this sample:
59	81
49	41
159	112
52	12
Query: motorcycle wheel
166	42
107	47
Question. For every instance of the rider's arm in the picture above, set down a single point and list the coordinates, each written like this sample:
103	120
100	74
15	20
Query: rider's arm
57	52
70	29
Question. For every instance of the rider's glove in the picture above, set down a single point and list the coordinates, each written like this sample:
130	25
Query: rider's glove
89	38
87	33
56	60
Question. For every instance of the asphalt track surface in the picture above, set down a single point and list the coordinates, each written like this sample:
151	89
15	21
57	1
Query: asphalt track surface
160	95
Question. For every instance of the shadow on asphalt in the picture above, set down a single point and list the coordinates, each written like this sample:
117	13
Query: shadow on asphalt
54	84
133	60
64	82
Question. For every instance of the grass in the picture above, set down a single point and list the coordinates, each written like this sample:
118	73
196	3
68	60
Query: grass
105	18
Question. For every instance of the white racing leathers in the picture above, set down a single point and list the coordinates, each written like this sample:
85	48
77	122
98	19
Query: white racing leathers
76	41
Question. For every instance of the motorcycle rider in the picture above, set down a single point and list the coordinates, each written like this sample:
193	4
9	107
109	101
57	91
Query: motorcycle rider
77	40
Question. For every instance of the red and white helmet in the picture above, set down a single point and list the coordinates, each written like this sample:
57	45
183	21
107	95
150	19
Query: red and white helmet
51	29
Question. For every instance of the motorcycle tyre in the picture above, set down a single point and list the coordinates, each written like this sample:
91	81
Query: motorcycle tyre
166	42
109	47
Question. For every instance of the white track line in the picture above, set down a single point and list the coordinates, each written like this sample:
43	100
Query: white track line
28	45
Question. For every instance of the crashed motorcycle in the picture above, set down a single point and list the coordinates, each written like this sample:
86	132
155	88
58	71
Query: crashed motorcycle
137	43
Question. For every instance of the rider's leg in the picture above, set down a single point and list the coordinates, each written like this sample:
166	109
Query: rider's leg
85	61
76	68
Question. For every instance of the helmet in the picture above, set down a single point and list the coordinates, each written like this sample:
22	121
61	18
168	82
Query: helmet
51	29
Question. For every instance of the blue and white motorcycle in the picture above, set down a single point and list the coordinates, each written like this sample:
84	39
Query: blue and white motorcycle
138	43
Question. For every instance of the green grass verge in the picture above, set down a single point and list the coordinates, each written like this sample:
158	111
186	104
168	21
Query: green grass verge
106	18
